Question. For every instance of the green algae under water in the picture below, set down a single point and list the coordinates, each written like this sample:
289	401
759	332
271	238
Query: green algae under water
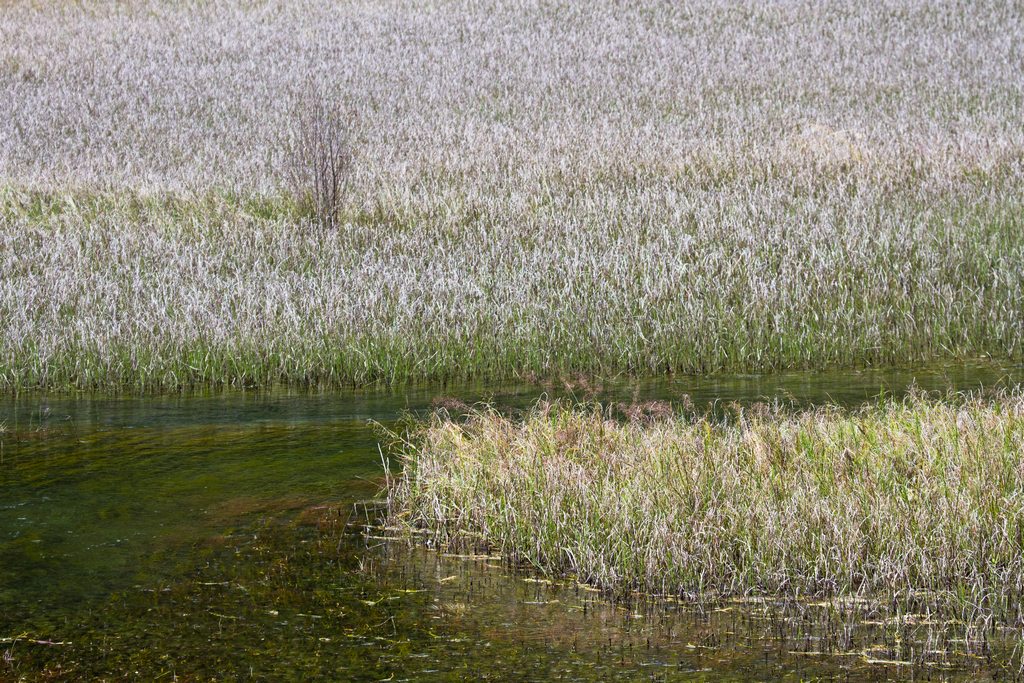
206	537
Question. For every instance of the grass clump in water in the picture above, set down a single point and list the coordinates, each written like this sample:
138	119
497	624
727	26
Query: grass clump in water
907	509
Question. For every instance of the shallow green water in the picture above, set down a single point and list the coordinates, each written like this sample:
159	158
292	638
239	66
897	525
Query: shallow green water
204	536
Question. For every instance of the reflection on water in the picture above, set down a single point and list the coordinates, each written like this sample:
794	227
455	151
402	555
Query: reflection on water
153	535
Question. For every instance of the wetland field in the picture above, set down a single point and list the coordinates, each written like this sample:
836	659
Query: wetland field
537	340
218	193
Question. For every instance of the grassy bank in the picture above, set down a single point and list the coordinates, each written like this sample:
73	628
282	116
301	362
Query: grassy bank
157	293
914	507
528	188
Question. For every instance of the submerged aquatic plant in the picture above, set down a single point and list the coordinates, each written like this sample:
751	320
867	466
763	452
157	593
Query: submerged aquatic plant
909	510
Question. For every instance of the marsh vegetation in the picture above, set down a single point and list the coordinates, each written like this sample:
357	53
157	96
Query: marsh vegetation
492	190
907	511
284	195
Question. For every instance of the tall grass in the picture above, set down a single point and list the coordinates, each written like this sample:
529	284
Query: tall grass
148	293
913	507
462	96
533	187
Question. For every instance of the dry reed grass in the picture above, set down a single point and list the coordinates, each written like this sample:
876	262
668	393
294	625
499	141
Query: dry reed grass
909	510
532	187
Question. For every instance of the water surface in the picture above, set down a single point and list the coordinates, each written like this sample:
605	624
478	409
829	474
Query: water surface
205	536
